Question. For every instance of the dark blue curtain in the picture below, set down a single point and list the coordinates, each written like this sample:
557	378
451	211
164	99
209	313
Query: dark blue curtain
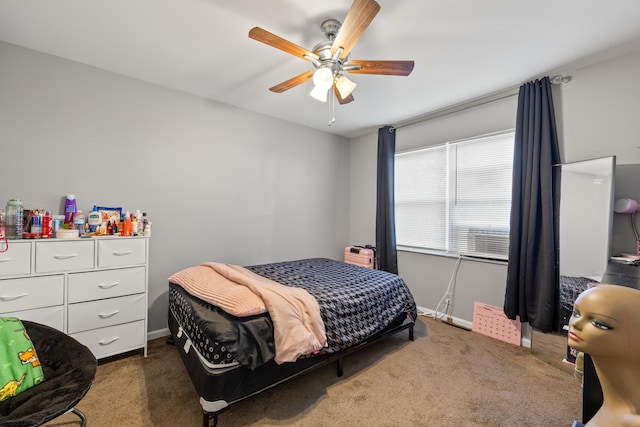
532	290
385	209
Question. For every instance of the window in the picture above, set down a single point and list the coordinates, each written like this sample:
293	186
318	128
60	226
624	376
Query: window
456	197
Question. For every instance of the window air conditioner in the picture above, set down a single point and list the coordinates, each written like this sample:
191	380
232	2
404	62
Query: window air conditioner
489	241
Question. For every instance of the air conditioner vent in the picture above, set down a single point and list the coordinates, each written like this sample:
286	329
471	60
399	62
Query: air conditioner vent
488	241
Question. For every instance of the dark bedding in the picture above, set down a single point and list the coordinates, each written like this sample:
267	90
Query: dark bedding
232	358
355	302
355	305
570	288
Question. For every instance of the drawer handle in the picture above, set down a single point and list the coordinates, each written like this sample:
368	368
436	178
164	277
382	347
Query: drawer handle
123	253
108	315
65	256
5	259
107	342
11	298
108	285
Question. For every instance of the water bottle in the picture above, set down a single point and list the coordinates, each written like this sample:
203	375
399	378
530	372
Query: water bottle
14	219
79	221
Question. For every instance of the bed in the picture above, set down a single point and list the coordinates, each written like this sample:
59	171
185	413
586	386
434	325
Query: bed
570	288
231	354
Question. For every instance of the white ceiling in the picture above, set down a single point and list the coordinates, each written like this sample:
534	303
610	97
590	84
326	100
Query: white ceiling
462	49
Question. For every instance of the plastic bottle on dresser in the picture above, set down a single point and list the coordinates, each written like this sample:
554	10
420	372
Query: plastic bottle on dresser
58	221
142	222
70	210
47	224
79	221
35	219
94	220
127	225
14	219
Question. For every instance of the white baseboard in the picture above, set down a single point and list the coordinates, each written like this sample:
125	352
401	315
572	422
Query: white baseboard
158	334
456	321
462	323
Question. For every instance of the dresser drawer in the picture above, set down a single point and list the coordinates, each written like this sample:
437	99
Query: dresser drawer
121	252
101	313
16	260
50	316
106	284
64	256
31	292
114	339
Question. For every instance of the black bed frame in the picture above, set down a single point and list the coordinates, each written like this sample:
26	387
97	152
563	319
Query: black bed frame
272	374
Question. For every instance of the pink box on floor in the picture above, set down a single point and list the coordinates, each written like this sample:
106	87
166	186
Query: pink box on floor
363	257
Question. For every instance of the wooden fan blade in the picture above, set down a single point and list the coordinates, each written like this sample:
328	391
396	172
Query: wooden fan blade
355	23
293	82
387	68
342	101
278	42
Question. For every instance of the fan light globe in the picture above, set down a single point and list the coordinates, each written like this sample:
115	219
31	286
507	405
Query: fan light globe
344	86
323	80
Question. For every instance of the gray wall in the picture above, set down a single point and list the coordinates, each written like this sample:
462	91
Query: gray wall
218	183
597	116
225	184
601	116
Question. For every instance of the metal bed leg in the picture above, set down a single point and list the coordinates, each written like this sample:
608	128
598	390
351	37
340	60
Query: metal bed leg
206	419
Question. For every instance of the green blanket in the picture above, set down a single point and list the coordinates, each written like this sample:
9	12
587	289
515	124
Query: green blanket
19	364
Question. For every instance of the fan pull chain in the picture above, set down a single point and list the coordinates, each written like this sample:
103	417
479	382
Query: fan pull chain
332	108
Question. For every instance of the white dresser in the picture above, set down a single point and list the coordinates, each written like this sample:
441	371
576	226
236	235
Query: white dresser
93	289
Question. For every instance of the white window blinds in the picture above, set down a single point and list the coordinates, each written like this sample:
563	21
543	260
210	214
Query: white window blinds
456	197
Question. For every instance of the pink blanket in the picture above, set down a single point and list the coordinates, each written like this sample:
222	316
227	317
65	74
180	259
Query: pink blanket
298	327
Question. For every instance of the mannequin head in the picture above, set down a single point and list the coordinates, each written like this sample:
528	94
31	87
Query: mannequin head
606	323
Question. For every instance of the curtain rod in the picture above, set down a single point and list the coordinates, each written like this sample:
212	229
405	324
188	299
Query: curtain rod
475	102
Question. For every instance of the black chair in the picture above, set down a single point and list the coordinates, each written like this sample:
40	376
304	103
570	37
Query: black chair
69	368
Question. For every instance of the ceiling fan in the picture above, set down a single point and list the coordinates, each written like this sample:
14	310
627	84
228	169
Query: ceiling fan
331	58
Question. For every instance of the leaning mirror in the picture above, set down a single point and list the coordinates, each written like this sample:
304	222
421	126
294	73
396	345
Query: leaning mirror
585	222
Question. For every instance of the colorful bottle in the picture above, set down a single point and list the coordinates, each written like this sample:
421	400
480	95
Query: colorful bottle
138	229
79	222
127	225
69	210
47	225
35	220
93	220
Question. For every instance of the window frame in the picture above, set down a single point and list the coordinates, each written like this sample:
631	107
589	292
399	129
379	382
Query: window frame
494	239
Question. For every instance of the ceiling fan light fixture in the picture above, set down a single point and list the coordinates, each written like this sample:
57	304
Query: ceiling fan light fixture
319	93
322	80
344	86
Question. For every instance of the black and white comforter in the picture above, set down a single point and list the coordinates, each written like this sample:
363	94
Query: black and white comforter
356	304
